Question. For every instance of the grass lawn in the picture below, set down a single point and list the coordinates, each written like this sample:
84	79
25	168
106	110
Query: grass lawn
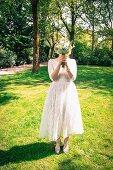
21	104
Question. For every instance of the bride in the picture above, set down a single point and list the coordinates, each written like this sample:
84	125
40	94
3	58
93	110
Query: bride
61	112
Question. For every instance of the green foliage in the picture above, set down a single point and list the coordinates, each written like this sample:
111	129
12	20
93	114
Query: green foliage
84	55
24	56
7	58
84	36
43	14
86	21
45	53
16	28
104	56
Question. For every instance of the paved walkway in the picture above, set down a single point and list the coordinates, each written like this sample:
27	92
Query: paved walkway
15	69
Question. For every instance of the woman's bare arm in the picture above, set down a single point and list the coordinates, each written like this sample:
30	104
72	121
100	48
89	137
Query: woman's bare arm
56	71
70	75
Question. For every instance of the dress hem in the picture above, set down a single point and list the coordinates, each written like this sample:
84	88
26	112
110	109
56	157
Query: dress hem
70	134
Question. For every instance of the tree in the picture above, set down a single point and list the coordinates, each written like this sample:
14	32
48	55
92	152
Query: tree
44	12
107	20
92	18
73	9
35	12
53	30
15	28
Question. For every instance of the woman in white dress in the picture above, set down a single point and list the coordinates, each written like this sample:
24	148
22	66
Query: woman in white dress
61	112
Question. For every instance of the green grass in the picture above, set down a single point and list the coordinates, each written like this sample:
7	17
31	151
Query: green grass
21	104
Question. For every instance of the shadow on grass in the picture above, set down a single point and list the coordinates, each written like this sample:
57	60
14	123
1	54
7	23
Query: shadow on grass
5	97
87	77
26	78
73	164
94	77
28	152
36	151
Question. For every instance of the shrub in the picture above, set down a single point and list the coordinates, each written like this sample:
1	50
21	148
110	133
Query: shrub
24	57
7	58
104	56
45	54
93	60
82	53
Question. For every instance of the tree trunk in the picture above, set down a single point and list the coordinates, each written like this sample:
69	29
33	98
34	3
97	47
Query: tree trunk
72	32
52	50
93	27
93	41
42	33
71	29
35	11
112	44
72	37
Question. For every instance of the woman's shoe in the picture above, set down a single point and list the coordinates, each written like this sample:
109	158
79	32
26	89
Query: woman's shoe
66	149
57	150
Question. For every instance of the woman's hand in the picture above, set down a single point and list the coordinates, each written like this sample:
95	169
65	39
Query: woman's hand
61	59
65	61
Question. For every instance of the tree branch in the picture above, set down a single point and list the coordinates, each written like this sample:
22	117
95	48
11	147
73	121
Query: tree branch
63	18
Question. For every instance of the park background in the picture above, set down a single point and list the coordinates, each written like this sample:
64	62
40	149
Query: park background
29	32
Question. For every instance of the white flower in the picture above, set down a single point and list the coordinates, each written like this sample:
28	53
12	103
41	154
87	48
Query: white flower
63	47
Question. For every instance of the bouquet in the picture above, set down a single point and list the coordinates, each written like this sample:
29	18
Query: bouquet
64	48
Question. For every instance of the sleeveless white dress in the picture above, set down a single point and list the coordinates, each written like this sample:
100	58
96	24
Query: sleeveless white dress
61	112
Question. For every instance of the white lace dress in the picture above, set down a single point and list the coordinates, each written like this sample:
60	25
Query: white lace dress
61	112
